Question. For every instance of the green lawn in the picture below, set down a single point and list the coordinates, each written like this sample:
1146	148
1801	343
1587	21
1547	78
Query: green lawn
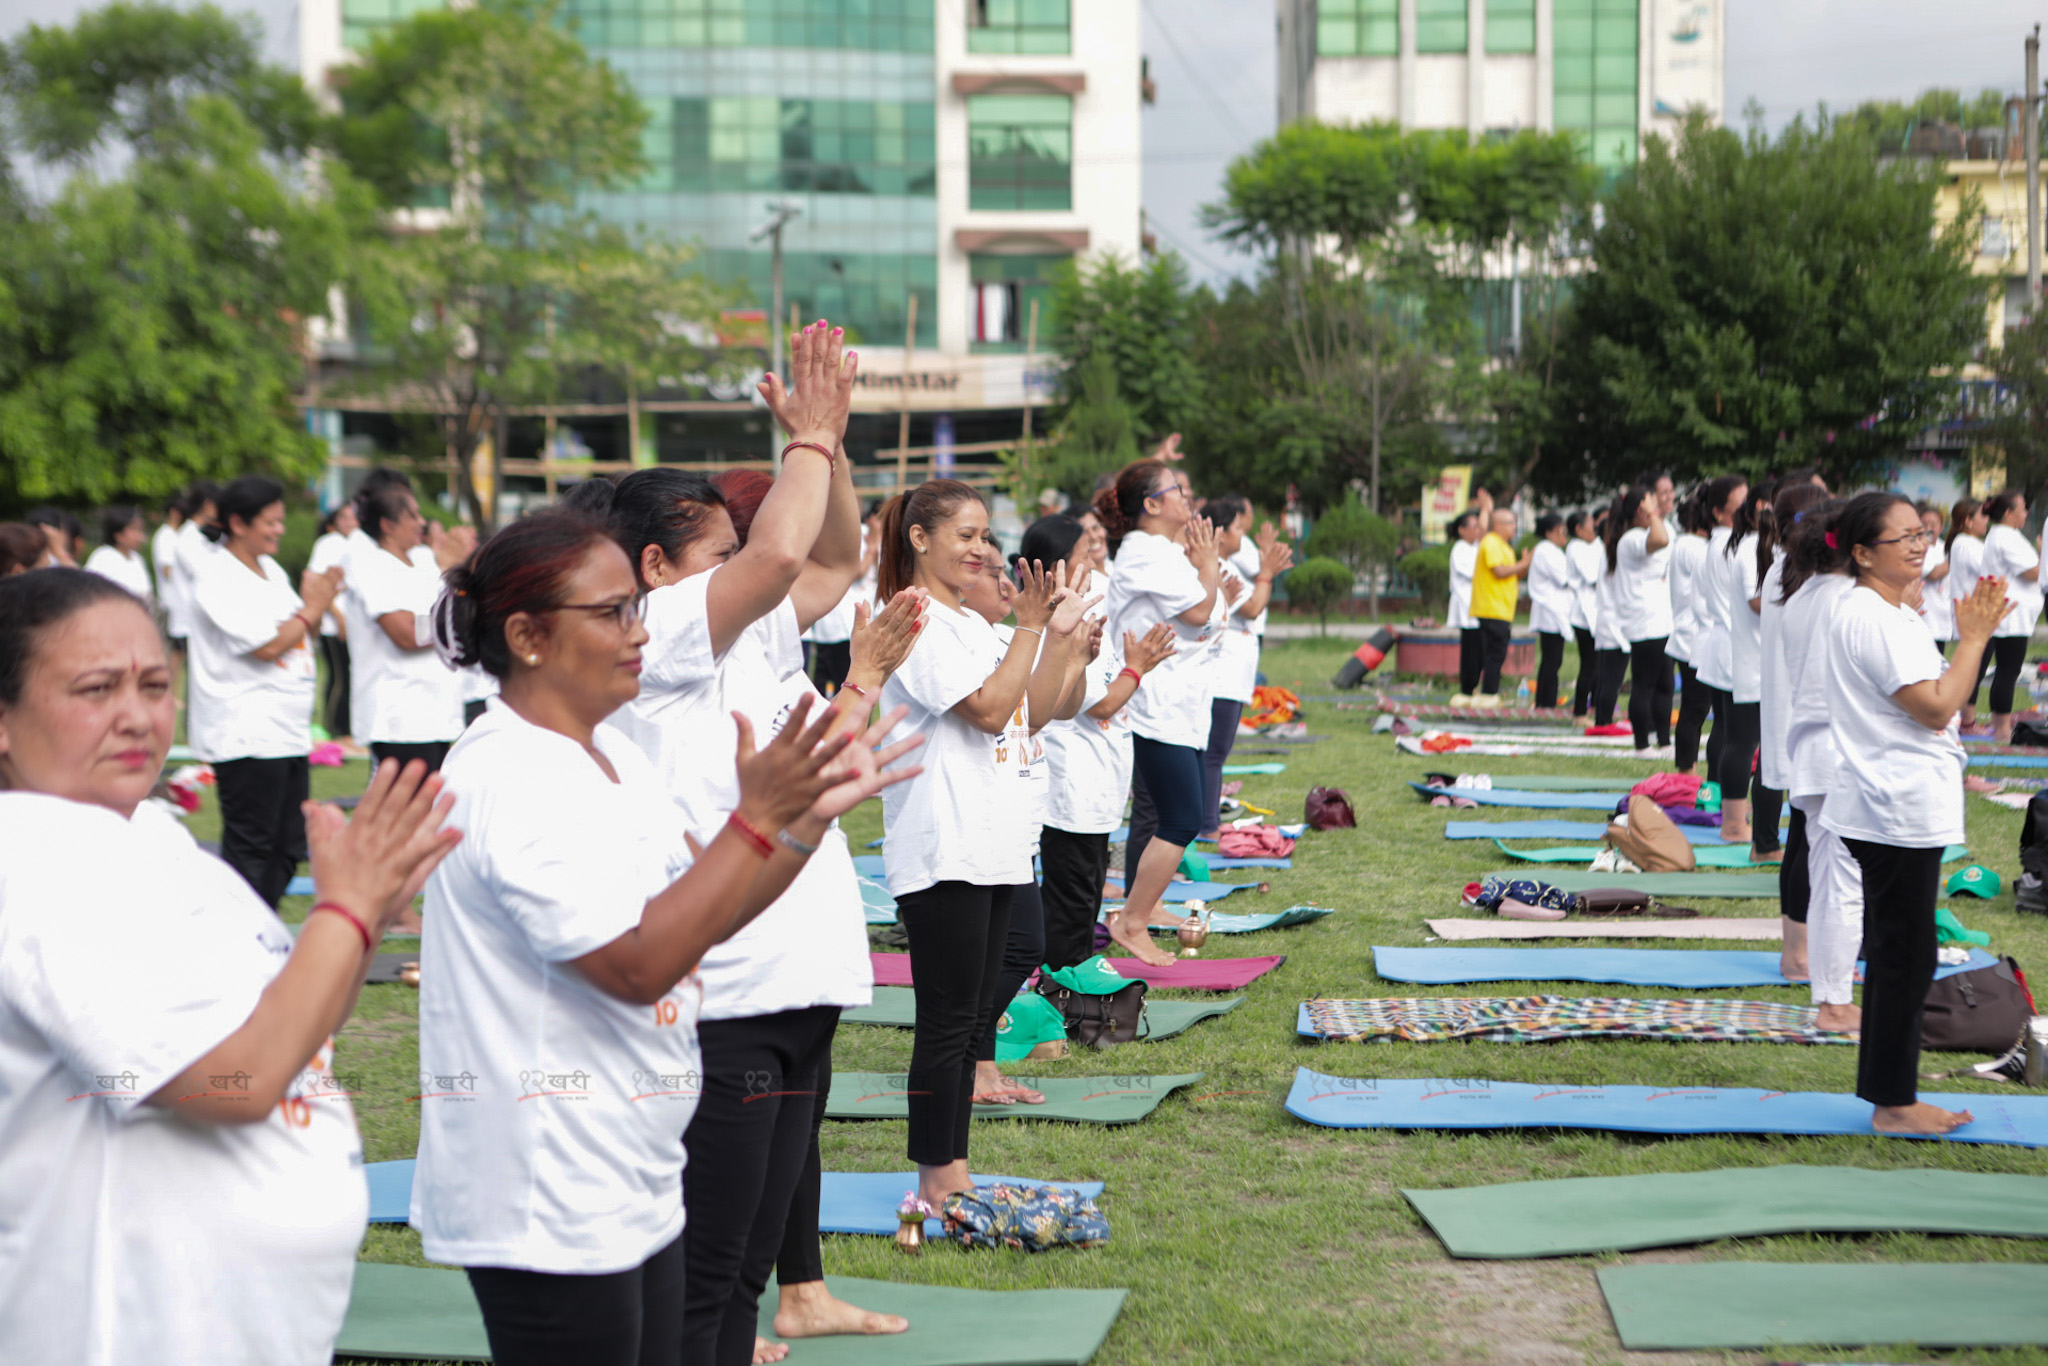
1247	1236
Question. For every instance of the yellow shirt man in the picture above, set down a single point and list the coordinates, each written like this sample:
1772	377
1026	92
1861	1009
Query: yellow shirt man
1492	595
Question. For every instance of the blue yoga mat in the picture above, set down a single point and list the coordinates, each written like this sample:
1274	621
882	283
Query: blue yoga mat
876	902
1223	922
2009	761
1687	968
865	1202
1218	861
1443	1103
390	1191
1561	830
1540	801
1116	836
299	886
1194	891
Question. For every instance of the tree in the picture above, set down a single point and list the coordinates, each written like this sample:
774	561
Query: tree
497	111
1888	123
1141	319
2019	423
152	311
1359	539
1097	436
1319	585
1754	304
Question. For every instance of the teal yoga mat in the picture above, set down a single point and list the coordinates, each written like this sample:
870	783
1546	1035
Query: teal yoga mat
1766	1304
1084	1100
1252	770
412	1312
951	1327
1583	1215
1707	856
1223	922
897	1007
1762	886
1539	782
1561	830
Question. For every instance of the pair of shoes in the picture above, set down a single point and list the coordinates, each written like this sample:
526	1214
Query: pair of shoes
1486	700
1463	699
1655	752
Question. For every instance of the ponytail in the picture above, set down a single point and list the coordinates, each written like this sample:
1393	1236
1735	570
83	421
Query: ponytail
1790	510
1958	517
1123	502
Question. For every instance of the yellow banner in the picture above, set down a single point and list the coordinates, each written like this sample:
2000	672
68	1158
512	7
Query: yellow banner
1451	495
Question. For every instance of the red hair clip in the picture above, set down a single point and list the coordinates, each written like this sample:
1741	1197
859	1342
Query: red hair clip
1831	542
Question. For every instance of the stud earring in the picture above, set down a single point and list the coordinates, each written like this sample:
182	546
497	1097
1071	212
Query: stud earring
533	659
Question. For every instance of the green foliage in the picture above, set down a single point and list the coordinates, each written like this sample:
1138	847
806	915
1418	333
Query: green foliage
1319	585
2020	424
1429	569
1140	318
1354	536
1888	123
1755	304
1098	436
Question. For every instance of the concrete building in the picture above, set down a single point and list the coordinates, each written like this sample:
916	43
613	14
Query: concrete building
946	152
1613	71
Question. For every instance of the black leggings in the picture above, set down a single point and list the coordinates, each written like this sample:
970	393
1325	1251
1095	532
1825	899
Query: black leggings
1172	777
623	1318
1649	702
2010	656
1495	636
1549	658
334	654
1023	951
1795	879
1471	657
957	934
1695	703
1587	682
748	1145
1744	721
432	753
262	828
1071	892
1613	667
1899	887
1224	713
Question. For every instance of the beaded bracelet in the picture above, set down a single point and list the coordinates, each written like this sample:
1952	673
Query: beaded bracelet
346	914
760	842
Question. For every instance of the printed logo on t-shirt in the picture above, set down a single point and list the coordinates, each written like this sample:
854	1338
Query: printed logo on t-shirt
460	1086
652	1084
543	1084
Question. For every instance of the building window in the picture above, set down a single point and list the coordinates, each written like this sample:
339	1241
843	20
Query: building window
1441	26
1020	152
1023	26
1510	26
362	20
1358	28
858	25
867	147
1005	287
1594	77
1995	241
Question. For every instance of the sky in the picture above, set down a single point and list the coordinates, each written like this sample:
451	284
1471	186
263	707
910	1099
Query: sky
1214	66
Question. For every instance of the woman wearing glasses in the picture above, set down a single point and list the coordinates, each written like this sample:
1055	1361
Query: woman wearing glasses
2009	555
1897	799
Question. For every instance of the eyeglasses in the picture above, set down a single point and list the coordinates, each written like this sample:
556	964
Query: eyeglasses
1921	537
623	613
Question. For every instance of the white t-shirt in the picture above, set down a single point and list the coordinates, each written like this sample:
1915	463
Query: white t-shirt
1464	564
1607	620
810	947
1589	562
1966	566
1090	759
2009	553
130	1236
836	626
241	707
1934	604
130	570
190	550
1900	783
1235	671
1745	625
1642	590
1687	554
329	552
1034	748
163	554
551	1114
1152	581
1712	650
1550	590
1810	747
1775	697
965	818
396	696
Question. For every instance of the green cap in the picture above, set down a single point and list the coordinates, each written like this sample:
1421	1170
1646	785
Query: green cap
1030	1021
1194	867
1977	880
1093	978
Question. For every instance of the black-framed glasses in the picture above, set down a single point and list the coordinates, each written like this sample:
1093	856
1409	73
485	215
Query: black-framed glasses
623	613
1920	537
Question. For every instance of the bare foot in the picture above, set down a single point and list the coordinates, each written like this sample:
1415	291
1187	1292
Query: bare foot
1842	1019
1739	835
1017	1091
1138	942
989	1088
766	1351
1918	1118
1775	856
1793	969
808	1310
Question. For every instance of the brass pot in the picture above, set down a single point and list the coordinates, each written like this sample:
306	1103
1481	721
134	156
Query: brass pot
910	1233
1192	936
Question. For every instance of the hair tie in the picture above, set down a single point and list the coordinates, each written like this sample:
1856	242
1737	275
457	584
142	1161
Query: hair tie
1797	518
1831	542
447	648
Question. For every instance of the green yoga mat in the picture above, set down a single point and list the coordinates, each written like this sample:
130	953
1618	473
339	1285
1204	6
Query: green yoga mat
897	1006
1706	855
1766	1304
1084	1100
415	1312
950	1327
1664	885
1619	1213
1247	770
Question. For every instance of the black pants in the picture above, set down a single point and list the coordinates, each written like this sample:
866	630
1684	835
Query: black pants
1612	668
1471	659
801	1258
1172	779
747	1146
1494	635
625	1318
957	935
1224	714
1070	889
262	829
2010	656
1738	752
1584	686
334	706
1899	887
1795	879
1023	951
1695	704
1766	806
1549	659
432	753
829	663
1649	703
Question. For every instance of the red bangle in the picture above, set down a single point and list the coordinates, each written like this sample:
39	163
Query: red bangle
312	627
854	688
1136	677
762	844
348	915
831	457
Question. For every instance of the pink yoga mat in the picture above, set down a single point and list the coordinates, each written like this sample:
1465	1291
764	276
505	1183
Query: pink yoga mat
1189	974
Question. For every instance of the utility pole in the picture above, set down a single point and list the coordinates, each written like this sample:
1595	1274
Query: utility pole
2031	111
779	214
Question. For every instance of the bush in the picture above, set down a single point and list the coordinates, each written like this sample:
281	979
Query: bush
1429	569
1319	584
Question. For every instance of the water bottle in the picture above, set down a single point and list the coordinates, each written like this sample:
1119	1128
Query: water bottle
1524	694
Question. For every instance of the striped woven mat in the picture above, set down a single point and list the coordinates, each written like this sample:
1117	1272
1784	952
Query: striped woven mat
1539	1019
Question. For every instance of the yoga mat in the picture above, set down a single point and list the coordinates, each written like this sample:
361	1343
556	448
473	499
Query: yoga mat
414	1312
1512	796
1185	974
1538	782
1580	1215
1116	836
1444	1103
390	1191
876	903
1547	1019
1266	770
1585	749
1561	830
1760	1304
1085	1100
1218	861
1223	922
1703	927
1710	856
897	1007
1178	891
950	1327
1667	885
1693	969
2008	761
384	968
865	1202
299	886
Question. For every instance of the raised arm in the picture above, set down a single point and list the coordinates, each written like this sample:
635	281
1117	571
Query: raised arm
989	708
1276	557
835	561
316	594
1141	657
1202	555
1933	702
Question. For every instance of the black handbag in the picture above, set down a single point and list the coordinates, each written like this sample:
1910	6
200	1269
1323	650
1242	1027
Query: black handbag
1979	1011
1098	1021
